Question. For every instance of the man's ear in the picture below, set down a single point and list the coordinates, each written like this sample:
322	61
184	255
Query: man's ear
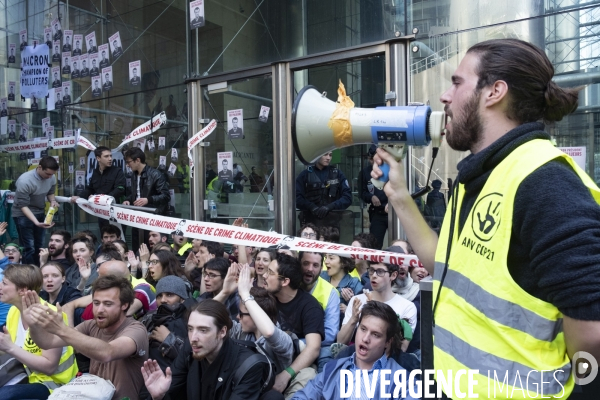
496	93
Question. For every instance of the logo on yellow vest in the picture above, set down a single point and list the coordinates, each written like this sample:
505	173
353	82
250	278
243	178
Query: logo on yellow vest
486	216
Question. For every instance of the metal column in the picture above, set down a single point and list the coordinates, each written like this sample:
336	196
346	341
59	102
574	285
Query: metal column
399	78
198	182
285	215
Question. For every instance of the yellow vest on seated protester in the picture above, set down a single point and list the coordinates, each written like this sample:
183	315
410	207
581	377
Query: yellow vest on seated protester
67	367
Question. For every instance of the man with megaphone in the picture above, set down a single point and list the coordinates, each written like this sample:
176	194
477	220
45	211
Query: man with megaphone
320	189
515	255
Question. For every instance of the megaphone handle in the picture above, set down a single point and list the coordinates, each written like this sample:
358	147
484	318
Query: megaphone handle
398	151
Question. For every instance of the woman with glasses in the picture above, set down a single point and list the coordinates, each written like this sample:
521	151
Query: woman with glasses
164	263
338	274
83	253
54	289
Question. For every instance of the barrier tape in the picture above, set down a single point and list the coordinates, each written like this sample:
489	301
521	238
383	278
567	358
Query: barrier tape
145	129
197	138
102	206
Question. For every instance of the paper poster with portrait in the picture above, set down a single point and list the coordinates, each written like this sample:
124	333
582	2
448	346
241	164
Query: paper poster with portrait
263	116
174	155
81	162
196	14
96	86
75	67
66	63
84	70
12	48
12	90
3	128
50	132
56	53
172	169
162	162
115	45
12	129
45	126
55	77
140	143
161	142
66	93
225	163
104	56
77	45
94	70
58	97
56	29
24	132
79	180
107	79
90	42
48	37
135	72
23	39
68	133
68	41
4	107
235	124
71	167
120	122
151	146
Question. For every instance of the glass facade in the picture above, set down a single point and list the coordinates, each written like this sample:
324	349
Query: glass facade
241	36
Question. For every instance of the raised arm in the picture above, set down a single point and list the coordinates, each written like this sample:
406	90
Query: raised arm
262	321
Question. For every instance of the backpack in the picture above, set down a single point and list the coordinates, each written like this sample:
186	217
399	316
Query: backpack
260	357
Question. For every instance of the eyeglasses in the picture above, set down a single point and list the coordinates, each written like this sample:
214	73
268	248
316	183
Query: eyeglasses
10	251
210	276
309	235
270	272
242	314
128	162
378	271
154	262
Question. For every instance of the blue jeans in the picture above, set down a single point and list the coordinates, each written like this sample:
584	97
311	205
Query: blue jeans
31	238
25	391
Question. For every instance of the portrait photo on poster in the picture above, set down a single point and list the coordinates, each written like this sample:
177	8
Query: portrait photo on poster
48	37
263	116
151	147
115	45
12	90
225	163
11	53
94	70
235	124
24	132
96	87
67	43
56	29
58	97
23	39
135	70
77	47
90	42
56	79
84	70
81	162
50	132
107	77
79	180
12	129
66	95
174	155
161	143
74	67
66	63
4	107
104	57
45	125
196	14
56	53
162	162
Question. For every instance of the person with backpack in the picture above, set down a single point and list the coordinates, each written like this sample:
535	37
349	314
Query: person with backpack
211	365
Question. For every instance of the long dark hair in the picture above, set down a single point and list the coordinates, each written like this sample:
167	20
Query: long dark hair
528	73
170	265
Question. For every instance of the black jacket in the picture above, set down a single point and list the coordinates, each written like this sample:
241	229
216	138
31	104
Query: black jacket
187	374
66	295
154	187
110	182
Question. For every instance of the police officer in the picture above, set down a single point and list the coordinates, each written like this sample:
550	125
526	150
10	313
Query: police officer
377	199
321	189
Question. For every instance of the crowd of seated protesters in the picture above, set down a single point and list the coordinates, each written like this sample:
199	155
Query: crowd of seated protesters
300	312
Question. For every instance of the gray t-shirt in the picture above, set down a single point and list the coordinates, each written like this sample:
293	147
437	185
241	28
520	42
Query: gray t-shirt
280	342
31	192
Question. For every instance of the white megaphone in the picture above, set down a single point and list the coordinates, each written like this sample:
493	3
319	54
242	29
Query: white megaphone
391	128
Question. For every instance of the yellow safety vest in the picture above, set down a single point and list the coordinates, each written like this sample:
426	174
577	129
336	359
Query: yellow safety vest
136	281
322	292
183	248
67	367
485	321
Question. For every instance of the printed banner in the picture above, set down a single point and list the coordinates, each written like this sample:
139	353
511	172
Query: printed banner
102	206
35	70
196	139
144	129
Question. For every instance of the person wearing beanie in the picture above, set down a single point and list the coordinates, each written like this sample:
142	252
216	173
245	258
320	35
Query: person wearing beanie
167	326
